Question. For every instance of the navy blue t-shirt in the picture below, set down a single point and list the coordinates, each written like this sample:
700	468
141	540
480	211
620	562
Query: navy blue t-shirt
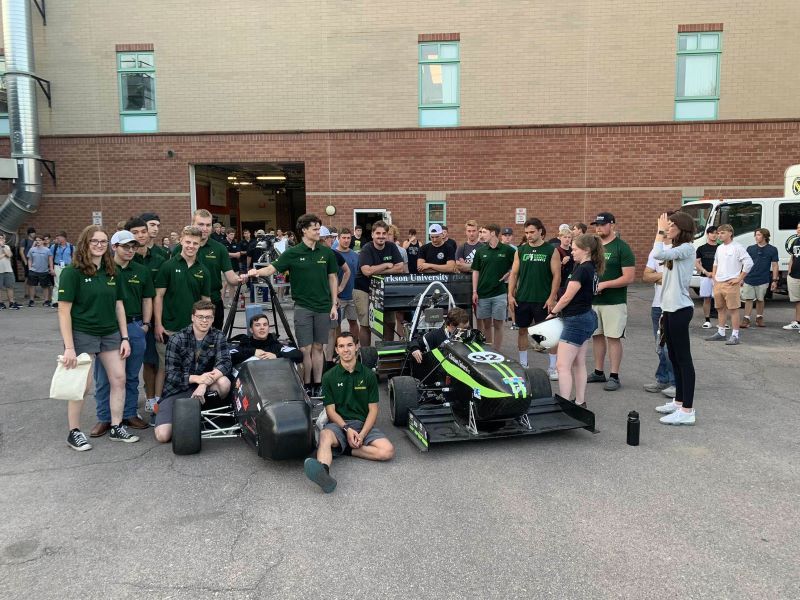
763	257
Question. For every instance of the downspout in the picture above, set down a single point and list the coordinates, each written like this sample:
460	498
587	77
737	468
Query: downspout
23	117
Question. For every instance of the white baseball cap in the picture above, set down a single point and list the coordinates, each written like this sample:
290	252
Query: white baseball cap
123	237
435	229
324	232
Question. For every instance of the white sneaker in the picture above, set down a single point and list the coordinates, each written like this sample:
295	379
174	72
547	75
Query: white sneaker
552	374
706	324
678	418
794	325
669	392
668	408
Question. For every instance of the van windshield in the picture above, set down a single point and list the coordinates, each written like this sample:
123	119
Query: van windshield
699	212
744	217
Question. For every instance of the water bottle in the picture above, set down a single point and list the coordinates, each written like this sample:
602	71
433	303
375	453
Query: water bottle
633	428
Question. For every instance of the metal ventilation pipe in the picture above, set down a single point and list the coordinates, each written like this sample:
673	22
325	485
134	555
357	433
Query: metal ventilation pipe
23	117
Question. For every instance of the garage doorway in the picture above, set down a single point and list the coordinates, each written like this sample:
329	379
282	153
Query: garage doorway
365	217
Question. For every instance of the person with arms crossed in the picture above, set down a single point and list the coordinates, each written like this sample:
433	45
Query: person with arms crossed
436	256
314	284
350	395
465	253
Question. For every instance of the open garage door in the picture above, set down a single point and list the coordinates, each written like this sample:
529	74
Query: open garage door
250	195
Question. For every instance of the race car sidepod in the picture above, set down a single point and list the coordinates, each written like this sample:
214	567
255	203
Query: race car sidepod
270	404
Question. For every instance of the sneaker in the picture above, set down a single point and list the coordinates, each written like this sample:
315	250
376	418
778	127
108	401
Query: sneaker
552	374
46	304
118	433
655	386
760	321
30	303
794	325
317	473
668	408
537	347
707	324
745	323
2	306
54	305
732	341
153	420
727	326
14	306
77	441
595	378
717	337
678	418
669	392
612	384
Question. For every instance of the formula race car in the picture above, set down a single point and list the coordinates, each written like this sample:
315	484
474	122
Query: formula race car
463	390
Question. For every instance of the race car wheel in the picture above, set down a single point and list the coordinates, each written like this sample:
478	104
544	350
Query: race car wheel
186	427
402	396
369	357
539	382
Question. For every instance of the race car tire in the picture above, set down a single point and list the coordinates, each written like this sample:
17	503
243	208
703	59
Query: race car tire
369	357
186	426
402	396
539	382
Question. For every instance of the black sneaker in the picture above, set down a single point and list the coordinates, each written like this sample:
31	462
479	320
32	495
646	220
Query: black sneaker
77	441
2	305
14	306
30	303
595	378
46	303
317	473
118	433
54	305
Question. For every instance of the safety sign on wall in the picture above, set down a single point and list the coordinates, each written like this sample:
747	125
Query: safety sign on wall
522	216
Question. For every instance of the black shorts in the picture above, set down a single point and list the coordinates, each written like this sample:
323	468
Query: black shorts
529	313
40	279
219	314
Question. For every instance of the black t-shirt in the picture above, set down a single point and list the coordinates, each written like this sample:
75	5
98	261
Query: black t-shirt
369	256
586	275
566	268
438	256
706	254
451	243
794	250
413	253
245	247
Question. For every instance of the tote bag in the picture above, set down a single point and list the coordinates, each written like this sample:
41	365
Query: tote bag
70	384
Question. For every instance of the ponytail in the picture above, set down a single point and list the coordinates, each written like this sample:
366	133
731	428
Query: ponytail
594	246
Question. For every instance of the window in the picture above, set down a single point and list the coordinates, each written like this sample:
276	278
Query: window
435	214
744	217
697	89
137	92
4	129
439	84
699	212
788	215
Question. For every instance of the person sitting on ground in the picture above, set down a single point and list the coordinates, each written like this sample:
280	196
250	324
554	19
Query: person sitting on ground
350	395
457	318
198	360
263	345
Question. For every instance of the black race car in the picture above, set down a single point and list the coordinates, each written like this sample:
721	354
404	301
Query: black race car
464	390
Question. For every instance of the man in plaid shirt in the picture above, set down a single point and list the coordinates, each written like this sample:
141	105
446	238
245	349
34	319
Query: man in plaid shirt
198	361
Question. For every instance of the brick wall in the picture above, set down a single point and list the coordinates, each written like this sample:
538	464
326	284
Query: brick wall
560	174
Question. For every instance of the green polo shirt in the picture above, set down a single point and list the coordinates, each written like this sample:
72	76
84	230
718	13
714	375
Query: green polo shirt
184	285
136	284
215	257
309	270
350	393
94	300
492	264
152	259
618	254
535	276
160	251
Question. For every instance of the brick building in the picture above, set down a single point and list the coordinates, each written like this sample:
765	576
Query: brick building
438	113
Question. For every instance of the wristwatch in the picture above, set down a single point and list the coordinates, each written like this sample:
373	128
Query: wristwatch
662	232
345	428
126	339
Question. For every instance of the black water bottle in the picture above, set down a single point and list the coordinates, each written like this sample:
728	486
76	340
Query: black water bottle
633	428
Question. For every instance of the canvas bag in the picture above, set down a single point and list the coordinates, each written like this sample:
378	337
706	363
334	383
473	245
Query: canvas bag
70	384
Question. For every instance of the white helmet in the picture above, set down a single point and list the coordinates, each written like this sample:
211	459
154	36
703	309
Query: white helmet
547	333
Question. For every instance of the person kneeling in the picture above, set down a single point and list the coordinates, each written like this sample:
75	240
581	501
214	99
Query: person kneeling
197	361
263	345
350	395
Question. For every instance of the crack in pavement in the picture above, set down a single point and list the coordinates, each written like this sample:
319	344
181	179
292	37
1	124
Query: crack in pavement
81	466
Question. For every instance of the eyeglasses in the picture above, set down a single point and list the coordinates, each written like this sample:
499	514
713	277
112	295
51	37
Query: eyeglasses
204	317
98	242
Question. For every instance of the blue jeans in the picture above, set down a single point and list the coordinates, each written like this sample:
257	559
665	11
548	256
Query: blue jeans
664	372
133	365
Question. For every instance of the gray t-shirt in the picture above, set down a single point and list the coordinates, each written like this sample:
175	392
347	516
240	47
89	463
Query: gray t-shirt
675	281
39	259
467	251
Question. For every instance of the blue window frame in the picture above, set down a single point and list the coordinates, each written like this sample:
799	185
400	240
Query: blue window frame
4	129
435	214
136	73
439	79
697	82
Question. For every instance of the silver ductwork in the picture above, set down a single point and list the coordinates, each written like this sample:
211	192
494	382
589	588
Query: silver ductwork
23	116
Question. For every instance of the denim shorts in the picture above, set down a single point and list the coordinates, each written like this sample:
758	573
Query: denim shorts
579	328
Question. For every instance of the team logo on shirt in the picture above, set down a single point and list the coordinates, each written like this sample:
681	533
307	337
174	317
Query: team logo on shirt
440	255
199	275
134	279
86	280
302	259
177	270
534	257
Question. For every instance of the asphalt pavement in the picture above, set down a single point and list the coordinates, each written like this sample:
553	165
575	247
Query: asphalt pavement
709	511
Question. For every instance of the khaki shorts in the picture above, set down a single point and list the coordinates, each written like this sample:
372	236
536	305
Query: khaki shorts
361	300
161	349
727	294
793	285
754	292
611	320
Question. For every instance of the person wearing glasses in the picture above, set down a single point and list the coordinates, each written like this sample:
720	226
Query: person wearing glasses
91	317
198	361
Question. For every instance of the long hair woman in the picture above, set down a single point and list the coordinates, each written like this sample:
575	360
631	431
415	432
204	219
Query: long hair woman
580	320
677	309
92	320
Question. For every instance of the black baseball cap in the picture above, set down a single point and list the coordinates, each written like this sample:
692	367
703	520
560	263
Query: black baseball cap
149	216
507	231
604	218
